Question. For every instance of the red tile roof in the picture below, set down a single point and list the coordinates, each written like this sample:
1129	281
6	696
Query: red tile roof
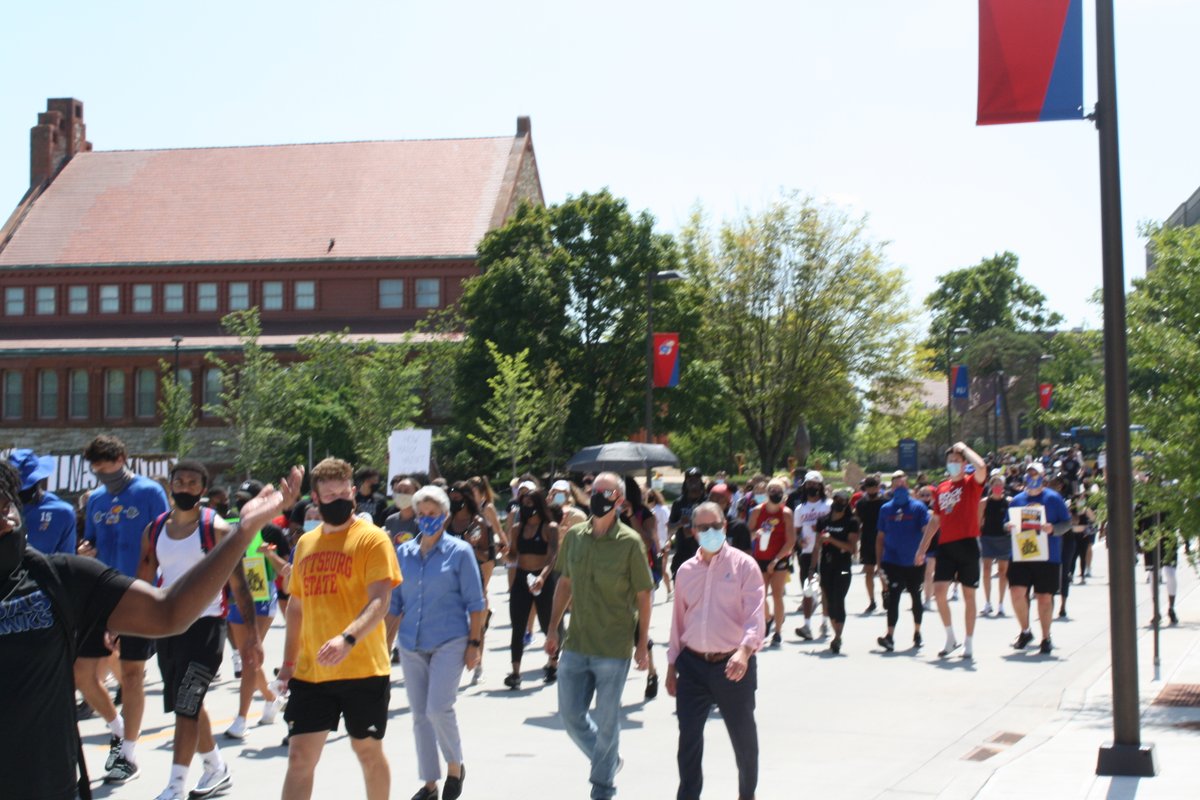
400	199
160	344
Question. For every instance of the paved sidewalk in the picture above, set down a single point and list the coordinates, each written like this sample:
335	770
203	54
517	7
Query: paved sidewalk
865	724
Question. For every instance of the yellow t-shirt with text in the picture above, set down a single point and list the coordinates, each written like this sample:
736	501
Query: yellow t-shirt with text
330	575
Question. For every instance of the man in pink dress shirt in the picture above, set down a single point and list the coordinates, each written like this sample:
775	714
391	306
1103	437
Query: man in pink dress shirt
716	628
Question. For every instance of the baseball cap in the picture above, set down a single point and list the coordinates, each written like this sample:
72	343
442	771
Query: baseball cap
528	486
899	474
813	475
842	494
250	488
31	467
1036	466
560	486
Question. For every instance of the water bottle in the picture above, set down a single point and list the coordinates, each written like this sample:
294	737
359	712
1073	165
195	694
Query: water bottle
531	579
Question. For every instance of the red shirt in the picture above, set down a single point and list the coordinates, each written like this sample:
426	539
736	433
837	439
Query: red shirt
956	504
766	548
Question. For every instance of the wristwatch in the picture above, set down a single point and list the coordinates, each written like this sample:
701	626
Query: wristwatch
350	640
474	643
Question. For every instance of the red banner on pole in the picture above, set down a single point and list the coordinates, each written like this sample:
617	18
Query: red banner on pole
1046	395
666	360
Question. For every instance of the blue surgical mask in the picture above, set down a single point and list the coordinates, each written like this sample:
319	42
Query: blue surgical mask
900	494
431	526
1034	483
760	498
311	524
711	539
954	468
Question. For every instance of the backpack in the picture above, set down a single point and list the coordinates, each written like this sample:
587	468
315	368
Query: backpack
47	580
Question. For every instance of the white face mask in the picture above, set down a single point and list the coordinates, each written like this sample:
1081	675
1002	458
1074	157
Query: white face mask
403	501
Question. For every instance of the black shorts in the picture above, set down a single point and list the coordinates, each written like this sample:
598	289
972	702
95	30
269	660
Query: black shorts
1041	575
958	561
806	568
317	707
133	648
866	548
784	565
188	663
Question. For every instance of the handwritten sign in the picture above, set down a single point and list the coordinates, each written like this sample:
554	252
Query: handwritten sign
409	451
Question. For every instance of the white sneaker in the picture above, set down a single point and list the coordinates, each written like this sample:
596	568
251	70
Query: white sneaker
824	628
987	609
271	710
237	664
172	792
212	782
237	730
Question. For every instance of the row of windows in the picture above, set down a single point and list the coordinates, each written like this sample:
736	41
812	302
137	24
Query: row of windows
146	298
115	385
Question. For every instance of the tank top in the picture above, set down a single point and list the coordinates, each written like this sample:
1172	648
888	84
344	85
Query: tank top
995	514
177	556
768	547
535	545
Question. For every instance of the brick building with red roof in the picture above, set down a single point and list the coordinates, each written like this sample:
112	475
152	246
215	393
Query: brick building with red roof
113	255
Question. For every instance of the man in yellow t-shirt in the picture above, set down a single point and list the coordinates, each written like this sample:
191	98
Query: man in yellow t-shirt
335	658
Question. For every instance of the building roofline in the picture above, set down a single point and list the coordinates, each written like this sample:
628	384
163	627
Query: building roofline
236	262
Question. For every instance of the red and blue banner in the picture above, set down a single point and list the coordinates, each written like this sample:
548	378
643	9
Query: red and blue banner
666	360
1030	61
1046	396
961	382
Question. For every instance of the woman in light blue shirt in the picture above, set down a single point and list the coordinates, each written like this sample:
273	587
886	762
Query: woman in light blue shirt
441	609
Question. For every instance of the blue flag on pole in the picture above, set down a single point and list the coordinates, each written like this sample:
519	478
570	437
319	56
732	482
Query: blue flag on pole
961	381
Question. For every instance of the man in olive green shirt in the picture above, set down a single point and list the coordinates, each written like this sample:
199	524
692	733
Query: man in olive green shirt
605	579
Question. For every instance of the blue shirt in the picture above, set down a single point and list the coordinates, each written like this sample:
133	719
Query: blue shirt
902	525
1056	512
439	592
50	525
115	523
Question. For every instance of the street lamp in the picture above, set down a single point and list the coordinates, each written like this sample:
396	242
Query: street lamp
651	277
176	340
1037	394
950	334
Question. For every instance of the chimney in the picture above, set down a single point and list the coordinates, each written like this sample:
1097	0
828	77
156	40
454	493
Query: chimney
58	136
524	127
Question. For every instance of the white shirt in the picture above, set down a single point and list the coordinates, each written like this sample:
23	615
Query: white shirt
806	517
661	515
177	556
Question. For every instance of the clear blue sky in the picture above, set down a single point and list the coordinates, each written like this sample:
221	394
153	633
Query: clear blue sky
869	104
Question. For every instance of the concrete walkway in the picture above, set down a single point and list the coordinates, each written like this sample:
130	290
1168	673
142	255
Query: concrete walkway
864	724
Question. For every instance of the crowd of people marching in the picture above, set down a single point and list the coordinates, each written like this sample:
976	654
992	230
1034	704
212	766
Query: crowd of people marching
175	569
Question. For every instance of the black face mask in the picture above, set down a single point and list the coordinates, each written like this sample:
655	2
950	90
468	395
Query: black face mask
185	501
28	495
457	505
601	505
775	497
12	551
812	491
838	506
337	512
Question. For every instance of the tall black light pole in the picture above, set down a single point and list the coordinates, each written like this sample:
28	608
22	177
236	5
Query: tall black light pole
176	340
651	277
1125	754
950	334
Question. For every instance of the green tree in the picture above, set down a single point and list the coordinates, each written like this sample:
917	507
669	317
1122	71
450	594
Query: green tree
879	433
803	317
177	411
253	400
387	397
990	294
512	416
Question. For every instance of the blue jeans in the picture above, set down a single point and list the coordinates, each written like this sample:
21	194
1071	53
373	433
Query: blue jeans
597	733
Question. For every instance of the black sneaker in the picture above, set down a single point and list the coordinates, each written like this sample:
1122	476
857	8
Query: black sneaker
513	681
452	788
425	793
887	643
395	655
836	645
83	711
1023	640
917	640
1062	613
1171	615
770	622
1045	647
117	698
871	608
651	693
777	639
123	771
114	750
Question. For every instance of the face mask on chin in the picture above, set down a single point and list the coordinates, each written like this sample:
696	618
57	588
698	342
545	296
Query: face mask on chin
114	482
